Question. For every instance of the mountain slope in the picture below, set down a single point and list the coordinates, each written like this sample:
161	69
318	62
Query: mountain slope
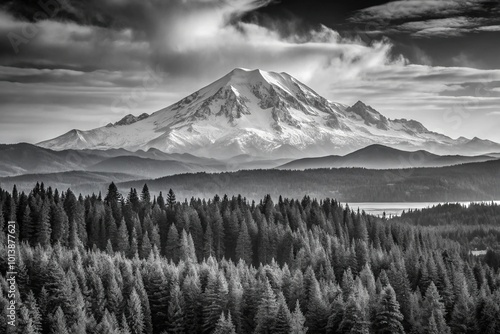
147	167
383	157
23	158
263	114
78	181
468	182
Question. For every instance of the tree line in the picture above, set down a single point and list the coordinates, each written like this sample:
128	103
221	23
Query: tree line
140	264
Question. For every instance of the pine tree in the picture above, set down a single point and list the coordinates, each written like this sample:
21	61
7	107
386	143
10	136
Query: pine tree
463	319
354	318
160	200
124	327
244	245
80	319
27	227
156	286
58	287
25	322
337	308
317	310
388	318
114	297
282	323
489	315
266	311
143	297
176	310
59	322
297	321
224	325
347	284
2	227
43	224
214	299
171	199
122	239
97	295
249	304
134	246
108	324
218	235
34	312
145	246
172	246
133	200
191	291
145	195
135	314
433	306
60	225
208	240
187	252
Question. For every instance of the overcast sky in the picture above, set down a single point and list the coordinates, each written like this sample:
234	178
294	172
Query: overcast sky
68	64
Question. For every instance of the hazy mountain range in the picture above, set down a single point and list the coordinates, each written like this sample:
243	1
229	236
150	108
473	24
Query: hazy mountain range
25	159
263	114
383	157
249	120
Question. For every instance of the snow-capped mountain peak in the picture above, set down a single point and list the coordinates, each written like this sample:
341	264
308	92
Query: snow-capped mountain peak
257	113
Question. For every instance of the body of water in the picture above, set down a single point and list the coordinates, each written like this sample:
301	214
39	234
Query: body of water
396	208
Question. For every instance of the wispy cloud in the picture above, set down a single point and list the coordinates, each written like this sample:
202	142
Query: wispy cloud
431	18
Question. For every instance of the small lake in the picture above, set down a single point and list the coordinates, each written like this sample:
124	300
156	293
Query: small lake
396	208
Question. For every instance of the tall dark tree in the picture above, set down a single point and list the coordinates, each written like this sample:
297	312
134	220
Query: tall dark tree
171	199
434	307
244	244
172	246
145	195
388	318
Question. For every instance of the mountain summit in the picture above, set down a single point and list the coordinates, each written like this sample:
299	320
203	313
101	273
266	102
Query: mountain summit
258	113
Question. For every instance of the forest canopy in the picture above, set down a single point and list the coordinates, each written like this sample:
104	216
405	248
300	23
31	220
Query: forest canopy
141	264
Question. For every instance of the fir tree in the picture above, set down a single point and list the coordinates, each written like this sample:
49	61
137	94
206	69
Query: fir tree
297	321
433	306
44	229
244	244
25	322
171	199
192	312
135	314
187	252
224	325
145	195
282	323
176	310
266	311
172	246
33	312
214	300
354	318
388	318
122	239
317	310
59	322
145	246
208	240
